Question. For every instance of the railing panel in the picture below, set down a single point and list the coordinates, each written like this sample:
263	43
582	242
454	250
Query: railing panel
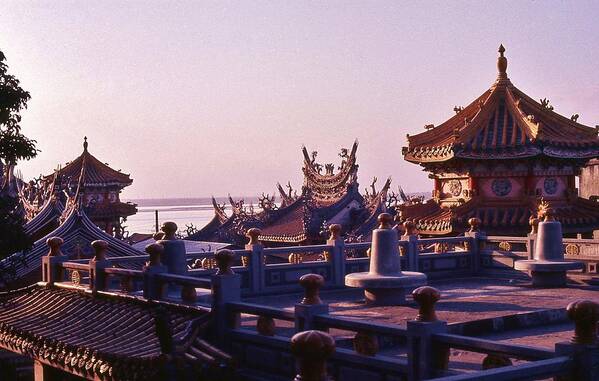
530	371
474	344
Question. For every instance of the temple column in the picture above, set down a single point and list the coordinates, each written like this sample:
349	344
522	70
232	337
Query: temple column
43	372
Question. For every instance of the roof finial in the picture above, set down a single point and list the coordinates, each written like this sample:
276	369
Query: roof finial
502	63
85	143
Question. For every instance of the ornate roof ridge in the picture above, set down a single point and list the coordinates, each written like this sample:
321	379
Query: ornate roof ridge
330	185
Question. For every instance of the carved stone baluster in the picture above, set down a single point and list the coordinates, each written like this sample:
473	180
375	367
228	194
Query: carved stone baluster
311	350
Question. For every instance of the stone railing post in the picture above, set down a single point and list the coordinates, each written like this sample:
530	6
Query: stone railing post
174	255
153	289
97	277
51	271
423	356
411	237
311	304
478	242
255	261
337	254
226	288
311	350
531	237
584	347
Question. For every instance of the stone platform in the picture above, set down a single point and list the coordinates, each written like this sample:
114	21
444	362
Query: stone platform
462	301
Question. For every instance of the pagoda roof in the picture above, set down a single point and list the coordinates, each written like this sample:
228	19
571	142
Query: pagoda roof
504	123
102	336
94	171
77	231
576	215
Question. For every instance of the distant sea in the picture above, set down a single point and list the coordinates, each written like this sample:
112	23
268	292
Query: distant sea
182	211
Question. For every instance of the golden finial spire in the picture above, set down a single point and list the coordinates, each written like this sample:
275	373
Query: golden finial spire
502	63
85	143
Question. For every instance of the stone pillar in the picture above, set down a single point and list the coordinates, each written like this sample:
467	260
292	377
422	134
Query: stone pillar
255	262
97	277
411	237
423	356
311	350
337	254
583	348
153	289
174	256
311	304
226	288
385	283
51	272
478	241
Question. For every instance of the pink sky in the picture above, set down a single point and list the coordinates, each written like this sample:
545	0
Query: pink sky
201	98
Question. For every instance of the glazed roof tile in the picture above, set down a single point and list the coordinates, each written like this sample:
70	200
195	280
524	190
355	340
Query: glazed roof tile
105	336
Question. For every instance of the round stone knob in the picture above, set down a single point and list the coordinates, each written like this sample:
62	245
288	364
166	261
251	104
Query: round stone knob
253	235
311	284
155	251
385	220
409	228
366	343
335	230
426	297
100	248
311	350
534	225
585	315
474	224
170	229
54	244
265	325
224	259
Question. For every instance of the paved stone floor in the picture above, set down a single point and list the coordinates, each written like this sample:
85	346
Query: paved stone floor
461	300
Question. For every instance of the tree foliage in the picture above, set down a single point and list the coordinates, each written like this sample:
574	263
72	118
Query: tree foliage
14	146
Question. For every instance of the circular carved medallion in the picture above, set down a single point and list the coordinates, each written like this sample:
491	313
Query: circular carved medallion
550	185
572	249
455	187
501	187
76	278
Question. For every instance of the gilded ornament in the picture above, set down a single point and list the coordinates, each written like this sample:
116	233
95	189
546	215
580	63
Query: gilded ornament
76	277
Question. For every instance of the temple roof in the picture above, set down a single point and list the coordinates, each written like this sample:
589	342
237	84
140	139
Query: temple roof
48	215
95	172
328	188
289	227
504	123
576	215
106	336
77	231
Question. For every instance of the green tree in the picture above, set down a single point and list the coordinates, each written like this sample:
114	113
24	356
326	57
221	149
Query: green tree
14	146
